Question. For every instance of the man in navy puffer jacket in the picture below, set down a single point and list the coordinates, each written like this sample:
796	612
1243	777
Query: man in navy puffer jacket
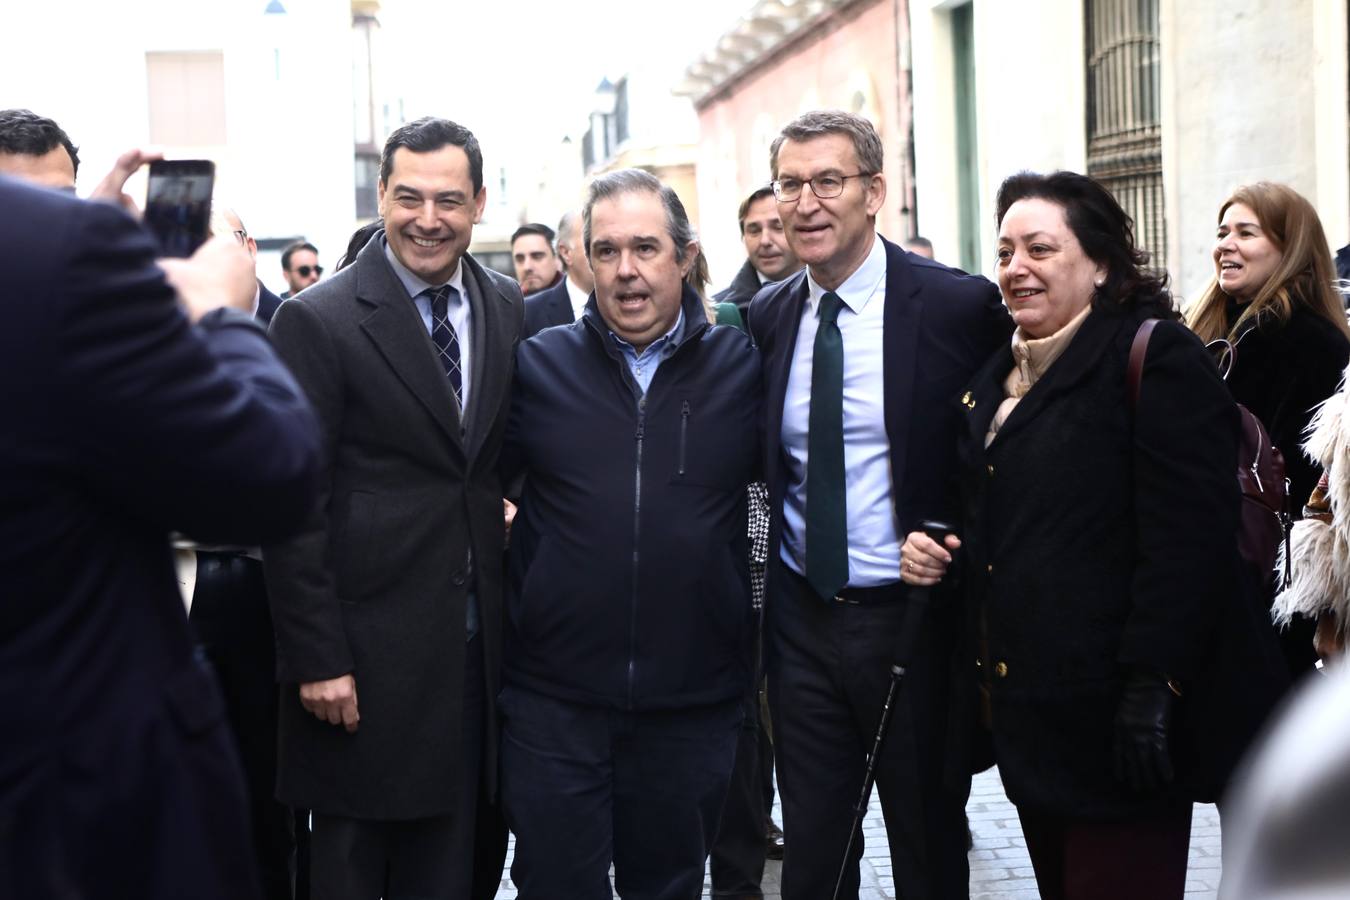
629	626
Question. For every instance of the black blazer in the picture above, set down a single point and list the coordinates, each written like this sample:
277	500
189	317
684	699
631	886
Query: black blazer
122	423
377	583
742	289
549	307
1097	541
268	304
940	325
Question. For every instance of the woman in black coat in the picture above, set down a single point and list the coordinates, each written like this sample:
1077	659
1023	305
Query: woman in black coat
1274	301
1099	544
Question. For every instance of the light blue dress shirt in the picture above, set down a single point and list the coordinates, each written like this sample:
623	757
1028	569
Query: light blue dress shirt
643	365
873	540
457	311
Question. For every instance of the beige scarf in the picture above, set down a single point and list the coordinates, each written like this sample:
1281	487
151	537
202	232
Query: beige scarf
1033	358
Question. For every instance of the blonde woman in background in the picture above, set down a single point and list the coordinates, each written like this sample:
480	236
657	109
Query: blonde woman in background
1273	298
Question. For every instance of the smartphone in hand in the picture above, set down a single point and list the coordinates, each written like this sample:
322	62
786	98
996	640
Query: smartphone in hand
178	203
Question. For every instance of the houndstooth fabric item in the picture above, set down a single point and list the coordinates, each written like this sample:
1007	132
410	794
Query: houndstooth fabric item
446	340
758	494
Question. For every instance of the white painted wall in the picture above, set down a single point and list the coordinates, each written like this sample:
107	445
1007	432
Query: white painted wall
1259	93
1029	96
287	165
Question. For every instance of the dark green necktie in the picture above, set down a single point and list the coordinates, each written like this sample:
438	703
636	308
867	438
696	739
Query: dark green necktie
826	504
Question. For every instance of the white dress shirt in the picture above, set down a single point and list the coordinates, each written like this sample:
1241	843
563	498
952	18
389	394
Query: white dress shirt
579	299
458	313
873	541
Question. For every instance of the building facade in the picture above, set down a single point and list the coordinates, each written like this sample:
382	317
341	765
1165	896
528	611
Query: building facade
782	60
1170	103
284	96
637	123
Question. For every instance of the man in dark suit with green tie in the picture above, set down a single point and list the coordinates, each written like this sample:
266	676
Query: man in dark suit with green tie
865	354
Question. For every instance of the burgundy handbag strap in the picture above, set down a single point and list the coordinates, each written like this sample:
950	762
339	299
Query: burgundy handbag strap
1138	349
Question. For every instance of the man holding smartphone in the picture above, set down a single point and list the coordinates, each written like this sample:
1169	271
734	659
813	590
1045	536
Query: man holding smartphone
387	606
132	406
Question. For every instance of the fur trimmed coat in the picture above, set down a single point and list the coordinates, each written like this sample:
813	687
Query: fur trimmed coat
1320	544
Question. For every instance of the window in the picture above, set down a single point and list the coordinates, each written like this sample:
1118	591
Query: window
186	98
363	78
367	182
967	172
1124	148
588	157
621	112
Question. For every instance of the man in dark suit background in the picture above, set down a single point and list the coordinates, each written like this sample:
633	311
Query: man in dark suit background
876	344
123	422
387	606
563	303
233	624
535	261
768	255
300	267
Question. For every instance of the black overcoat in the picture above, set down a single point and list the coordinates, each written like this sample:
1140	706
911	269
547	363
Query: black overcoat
1282	372
377	582
1097	541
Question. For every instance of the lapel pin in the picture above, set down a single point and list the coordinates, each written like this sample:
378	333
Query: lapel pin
967	401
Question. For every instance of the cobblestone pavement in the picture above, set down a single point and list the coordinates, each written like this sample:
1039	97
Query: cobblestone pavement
999	866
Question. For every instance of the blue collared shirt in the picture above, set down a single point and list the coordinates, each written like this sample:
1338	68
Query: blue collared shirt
458	312
643	365
873	539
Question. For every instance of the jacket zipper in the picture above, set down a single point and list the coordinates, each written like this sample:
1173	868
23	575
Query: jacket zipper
637	529
684	430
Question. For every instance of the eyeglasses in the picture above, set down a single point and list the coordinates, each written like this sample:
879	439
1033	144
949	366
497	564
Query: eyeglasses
304	271
824	187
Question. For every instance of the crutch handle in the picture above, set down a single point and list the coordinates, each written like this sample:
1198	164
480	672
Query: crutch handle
907	639
936	530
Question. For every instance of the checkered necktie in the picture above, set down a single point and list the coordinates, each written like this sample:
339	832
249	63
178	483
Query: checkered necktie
444	337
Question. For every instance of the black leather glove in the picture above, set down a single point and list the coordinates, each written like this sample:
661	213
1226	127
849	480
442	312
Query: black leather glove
1143	719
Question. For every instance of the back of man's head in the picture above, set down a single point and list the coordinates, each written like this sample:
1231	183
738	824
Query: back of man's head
35	148
428	134
572	253
920	245
224	220
567	226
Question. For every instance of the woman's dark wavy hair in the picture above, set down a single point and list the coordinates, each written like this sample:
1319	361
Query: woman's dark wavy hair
360	237
1105	232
